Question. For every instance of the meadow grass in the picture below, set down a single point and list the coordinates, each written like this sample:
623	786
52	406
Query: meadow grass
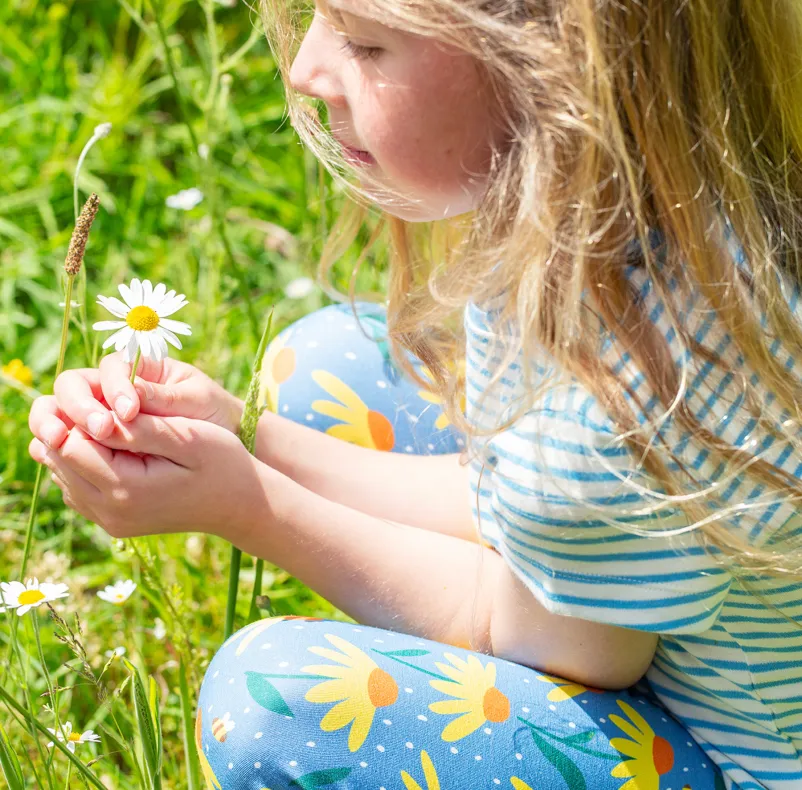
66	67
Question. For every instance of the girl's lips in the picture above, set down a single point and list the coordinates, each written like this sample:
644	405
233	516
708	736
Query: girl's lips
355	155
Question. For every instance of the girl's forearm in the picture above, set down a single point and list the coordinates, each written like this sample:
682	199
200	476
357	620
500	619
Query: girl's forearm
379	572
429	584
430	492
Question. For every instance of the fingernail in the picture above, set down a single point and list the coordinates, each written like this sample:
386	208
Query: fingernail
95	423
123	406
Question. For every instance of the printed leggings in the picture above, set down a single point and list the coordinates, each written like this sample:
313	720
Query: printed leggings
291	702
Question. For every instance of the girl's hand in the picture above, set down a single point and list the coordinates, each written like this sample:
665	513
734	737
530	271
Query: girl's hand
194	477
168	388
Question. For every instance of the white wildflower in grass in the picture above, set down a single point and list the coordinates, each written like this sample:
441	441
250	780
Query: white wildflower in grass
69	737
117	593
159	632
299	288
186	199
23	597
116	653
145	325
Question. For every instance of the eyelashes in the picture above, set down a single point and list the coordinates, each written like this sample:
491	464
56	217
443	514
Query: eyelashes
359	52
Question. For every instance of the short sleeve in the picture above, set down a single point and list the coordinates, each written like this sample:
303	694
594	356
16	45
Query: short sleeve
555	497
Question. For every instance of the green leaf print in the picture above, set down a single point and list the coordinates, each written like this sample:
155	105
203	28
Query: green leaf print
265	694
320	778
564	764
406	653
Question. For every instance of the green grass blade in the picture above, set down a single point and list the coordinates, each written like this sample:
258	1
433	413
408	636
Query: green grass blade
12	770
191	756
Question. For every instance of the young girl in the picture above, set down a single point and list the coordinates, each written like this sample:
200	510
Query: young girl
594	206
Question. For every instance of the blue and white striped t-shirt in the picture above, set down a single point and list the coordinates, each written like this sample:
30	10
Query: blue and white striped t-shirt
727	665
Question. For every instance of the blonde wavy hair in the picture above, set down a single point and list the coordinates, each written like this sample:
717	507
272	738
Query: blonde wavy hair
625	116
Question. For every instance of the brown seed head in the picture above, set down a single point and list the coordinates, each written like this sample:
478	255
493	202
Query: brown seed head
75	254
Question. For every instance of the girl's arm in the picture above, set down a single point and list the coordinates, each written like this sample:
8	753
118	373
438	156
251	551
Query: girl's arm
431	584
427	491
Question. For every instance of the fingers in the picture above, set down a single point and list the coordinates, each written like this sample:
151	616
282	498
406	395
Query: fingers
115	381
173	438
69	464
48	422
79	396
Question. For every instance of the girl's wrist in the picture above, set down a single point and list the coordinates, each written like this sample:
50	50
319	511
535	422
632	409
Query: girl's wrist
254	516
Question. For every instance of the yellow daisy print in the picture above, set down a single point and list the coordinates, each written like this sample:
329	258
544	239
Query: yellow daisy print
18	370
565	690
442	421
358	686
475	696
278	364
519	784
206	768
250	632
429	774
360	425
650	755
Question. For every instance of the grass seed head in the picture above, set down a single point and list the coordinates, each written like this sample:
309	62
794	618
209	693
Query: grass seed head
75	254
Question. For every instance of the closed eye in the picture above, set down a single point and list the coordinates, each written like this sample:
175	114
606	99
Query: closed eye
359	52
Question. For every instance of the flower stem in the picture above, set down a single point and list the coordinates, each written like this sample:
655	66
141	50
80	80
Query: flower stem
65	329
136	363
45	671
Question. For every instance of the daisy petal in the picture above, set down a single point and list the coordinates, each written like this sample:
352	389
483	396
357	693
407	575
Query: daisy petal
23	609
114	306
112	339
179	327
136	290
123	337
158	295
162	343
143	338
155	346
130	349
166	334
170	306
126	294
102	326
147	292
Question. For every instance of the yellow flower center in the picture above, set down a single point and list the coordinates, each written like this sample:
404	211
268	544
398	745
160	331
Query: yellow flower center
382	689
495	706
74	736
30	596
142	319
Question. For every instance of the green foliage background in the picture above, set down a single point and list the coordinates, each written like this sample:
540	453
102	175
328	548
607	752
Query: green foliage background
66	67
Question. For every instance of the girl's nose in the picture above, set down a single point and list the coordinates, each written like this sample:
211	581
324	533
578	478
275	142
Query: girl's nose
314	71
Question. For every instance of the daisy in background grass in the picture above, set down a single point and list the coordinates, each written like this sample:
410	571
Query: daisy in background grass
117	593
23	597
71	738
144	323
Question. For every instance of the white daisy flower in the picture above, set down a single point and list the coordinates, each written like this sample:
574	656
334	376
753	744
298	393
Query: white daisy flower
23	597
71	738
118	593
145	323
186	199
299	288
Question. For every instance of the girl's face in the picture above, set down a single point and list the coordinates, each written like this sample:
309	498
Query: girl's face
417	109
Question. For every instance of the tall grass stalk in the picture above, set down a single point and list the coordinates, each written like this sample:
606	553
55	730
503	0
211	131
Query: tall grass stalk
247	433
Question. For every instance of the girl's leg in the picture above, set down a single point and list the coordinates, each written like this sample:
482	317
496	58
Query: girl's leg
297	703
293	703
335	374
